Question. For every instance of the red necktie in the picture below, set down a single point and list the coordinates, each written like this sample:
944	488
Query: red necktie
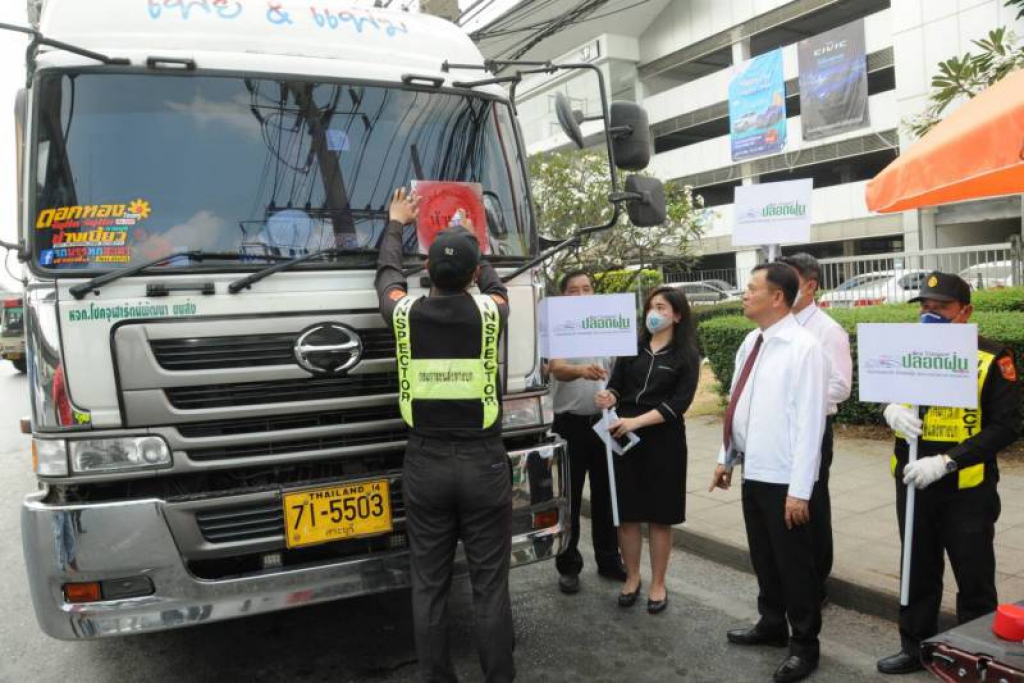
730	412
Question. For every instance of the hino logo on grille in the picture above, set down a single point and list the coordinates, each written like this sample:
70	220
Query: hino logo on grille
328	348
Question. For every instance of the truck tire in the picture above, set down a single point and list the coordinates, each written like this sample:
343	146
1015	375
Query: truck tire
19	365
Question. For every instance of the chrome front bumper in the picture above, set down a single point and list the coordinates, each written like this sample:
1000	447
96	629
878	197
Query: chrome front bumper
103	542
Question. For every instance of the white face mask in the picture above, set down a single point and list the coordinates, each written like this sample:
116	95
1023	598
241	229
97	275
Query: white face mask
656	322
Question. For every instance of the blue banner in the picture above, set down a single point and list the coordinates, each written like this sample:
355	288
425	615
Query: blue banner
757	108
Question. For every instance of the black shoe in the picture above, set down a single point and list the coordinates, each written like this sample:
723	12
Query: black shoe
900	663
794	668
569	583
629	599
657	606
755	636
616	572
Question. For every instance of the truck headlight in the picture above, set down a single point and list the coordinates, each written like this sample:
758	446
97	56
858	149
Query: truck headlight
130	453
50	457
522	413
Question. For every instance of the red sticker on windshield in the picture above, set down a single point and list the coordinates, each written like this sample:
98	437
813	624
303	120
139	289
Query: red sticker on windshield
439	204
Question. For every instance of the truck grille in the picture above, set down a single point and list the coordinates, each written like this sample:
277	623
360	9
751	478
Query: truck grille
244	351
254	393
393	438
283	422
265	520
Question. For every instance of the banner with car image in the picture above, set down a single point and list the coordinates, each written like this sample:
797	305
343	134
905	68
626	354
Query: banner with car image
833	82
757	107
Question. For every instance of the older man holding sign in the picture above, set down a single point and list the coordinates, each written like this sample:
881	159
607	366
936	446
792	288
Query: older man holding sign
945	453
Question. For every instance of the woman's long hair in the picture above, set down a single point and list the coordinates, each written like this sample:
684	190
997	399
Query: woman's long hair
684	333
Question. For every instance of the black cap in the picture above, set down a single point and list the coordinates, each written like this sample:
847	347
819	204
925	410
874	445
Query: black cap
944	287
453	257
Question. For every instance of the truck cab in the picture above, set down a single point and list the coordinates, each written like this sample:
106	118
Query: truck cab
173	415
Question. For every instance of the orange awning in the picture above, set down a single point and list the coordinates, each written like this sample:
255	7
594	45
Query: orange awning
978	151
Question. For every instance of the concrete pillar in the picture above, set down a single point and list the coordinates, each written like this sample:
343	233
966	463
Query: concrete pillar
746	260
929	236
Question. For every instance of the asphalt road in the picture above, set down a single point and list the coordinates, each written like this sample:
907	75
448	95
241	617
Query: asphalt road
585	637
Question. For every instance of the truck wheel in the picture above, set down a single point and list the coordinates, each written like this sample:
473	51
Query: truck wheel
19	364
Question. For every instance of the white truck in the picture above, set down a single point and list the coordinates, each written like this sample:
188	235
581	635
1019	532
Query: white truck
202	187
12	330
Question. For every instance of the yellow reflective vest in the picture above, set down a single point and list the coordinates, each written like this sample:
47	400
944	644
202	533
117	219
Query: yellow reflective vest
449	379
951	426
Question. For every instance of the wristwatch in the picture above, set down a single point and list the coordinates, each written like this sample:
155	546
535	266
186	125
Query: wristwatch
951	465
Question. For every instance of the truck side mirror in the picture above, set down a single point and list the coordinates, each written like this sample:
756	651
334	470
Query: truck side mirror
631	136
646	201
569	120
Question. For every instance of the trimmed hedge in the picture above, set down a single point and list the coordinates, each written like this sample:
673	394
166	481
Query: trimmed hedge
721	338
702	313
994	300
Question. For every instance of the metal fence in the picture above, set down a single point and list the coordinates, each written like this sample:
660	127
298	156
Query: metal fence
875	279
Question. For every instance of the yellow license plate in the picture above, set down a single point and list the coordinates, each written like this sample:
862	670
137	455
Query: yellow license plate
335	513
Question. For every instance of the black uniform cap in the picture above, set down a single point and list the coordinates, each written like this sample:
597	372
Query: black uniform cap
944	287
453	257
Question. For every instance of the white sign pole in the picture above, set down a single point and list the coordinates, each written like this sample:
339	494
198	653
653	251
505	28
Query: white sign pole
908	527
611	471
773	252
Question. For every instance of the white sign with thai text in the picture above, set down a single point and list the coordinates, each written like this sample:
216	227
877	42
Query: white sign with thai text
918	364
588	326
773	213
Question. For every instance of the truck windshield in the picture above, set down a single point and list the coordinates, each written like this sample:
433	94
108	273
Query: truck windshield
130	167
12	321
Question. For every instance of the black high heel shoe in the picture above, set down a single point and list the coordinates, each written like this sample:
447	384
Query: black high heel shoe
629	599
657	606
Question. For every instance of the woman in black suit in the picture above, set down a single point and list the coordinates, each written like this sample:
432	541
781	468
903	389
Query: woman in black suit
650	392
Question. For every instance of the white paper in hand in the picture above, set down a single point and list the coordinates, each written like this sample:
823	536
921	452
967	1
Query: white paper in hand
602	429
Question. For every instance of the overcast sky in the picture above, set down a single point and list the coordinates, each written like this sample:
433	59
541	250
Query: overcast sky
12	56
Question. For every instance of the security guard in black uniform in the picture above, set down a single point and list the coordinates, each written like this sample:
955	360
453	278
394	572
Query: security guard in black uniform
956	473
456	479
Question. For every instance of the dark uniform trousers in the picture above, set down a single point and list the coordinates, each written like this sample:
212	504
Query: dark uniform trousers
821	512
960	523
783	560
587	456
460	490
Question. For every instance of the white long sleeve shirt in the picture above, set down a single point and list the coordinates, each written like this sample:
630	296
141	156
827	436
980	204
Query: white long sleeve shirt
780	416
836	345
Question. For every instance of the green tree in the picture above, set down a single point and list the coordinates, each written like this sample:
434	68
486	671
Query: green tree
570	191
968	75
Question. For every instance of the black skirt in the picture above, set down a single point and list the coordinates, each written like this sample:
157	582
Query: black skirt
651	476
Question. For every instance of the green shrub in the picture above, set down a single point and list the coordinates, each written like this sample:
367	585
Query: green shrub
624	281
722	336
996	300
702	313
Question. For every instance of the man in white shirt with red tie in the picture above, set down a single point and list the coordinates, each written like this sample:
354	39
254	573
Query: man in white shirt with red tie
773	425
836	345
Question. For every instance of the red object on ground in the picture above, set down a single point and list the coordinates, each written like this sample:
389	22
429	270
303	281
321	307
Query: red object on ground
1009	622
439	201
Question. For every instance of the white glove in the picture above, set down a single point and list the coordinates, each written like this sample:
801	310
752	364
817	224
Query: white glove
925	471
903	419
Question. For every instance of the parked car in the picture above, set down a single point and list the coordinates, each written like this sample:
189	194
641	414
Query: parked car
870	289
704	293
726	287
989	275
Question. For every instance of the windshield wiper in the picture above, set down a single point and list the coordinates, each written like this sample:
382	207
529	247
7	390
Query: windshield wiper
249	280
79	291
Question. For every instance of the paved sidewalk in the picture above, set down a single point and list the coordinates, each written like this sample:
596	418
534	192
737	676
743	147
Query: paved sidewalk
867	548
